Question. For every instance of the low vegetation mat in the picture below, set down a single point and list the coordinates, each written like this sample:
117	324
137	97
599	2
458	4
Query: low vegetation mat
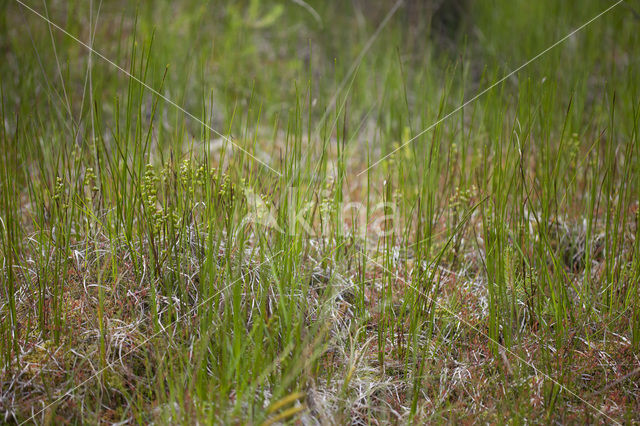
315	212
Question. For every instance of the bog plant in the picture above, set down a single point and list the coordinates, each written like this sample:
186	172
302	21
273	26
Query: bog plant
154	270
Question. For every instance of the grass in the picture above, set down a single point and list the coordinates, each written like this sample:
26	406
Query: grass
153	268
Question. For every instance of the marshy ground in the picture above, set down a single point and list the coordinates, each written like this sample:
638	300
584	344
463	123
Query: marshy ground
315	212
